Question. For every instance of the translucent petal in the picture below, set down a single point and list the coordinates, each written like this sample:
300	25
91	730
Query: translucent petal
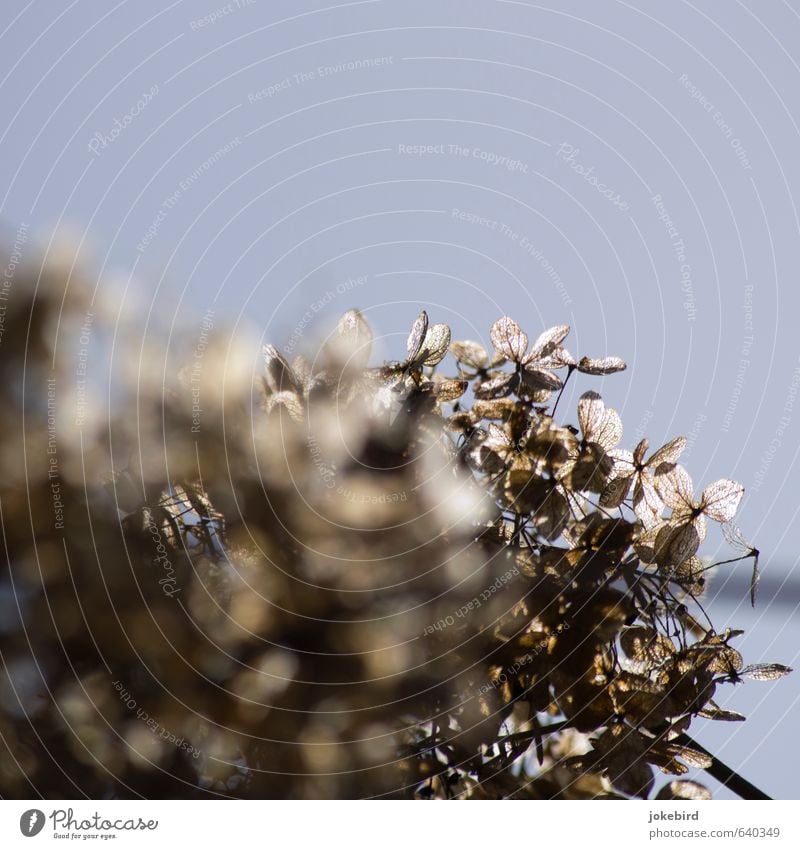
449	390
675	488
470	354
356	336
547	342
647	504
417	336
684	542
720	500
591	411
668	453
540	379
609	433
497	438
508	339
560	358
713	711
640	451
727	661
434	348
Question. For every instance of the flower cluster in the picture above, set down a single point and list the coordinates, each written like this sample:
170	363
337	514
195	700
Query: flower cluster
264	579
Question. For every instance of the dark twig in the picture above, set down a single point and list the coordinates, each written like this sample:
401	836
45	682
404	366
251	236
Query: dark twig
723	773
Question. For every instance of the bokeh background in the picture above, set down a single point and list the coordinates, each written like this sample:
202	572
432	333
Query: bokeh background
628	168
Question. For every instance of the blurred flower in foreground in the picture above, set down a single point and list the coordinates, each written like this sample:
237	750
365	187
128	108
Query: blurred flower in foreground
324	578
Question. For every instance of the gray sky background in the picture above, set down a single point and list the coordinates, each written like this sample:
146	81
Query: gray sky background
628	168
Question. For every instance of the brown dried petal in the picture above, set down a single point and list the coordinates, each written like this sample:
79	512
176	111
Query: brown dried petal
766	671
470	354
537	378
417	336
668	453
713	711
449	390
279	373
548	342
497	386
357	335
727	661
499	408
434	348
508	339
601	365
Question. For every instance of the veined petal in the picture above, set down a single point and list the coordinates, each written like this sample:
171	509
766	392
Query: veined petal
540	379
617	489
470	354
675	487
647	504
497	386
434	348
720	500
610	432
668	453
417	336
601	365
547	342
591	411
509	339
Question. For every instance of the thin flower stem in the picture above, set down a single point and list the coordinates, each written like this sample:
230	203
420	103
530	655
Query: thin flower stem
570	369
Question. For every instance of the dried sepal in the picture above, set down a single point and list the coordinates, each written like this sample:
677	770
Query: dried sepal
470	354
416	337
766	671
601	365
509	340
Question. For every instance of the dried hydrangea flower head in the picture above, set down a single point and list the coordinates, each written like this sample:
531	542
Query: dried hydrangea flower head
356	579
